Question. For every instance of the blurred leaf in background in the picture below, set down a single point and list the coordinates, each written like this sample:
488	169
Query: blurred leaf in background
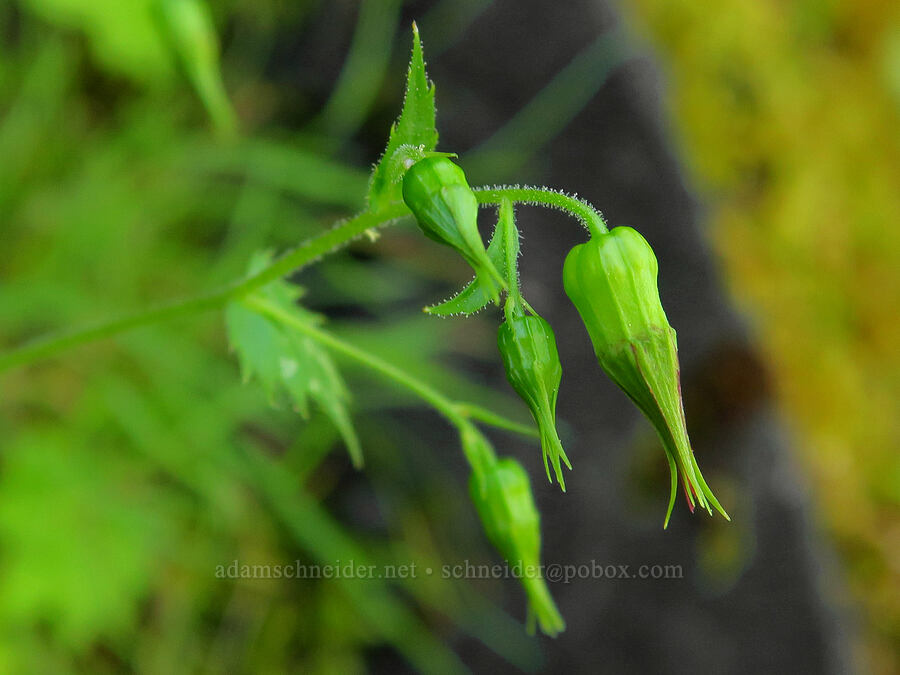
788	116
285	360
123	34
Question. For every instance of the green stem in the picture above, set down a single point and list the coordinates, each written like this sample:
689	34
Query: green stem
303	255
308	252
49	346
590	217
489	417
457	414
510	233
477	450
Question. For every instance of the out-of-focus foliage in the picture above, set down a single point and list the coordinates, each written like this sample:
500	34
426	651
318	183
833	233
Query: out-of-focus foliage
284	361
123	34
789	115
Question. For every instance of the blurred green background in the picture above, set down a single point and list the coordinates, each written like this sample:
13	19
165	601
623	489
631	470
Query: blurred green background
788	116
130	468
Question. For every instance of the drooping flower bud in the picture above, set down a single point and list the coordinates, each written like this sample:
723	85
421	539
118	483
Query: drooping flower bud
502	496
446	209
611	280
528	348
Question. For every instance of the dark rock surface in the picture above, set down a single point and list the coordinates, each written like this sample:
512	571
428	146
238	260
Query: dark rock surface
764	603
774	613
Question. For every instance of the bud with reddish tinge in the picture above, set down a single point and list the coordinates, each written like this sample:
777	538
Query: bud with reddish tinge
612	282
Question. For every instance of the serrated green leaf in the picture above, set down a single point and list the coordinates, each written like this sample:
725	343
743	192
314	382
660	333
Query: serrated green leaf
255	340
412	136
474	297
309	372
287	363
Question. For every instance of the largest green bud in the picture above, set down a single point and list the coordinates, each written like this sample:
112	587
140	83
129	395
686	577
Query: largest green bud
612	281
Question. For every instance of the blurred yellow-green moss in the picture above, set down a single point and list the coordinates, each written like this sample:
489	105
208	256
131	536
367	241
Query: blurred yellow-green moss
788	115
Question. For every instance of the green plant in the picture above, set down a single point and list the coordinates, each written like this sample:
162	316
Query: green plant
284	346
612	281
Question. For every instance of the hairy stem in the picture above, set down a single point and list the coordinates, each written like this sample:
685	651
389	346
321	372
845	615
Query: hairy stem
457	414
489	417
510	233
295	259
590	217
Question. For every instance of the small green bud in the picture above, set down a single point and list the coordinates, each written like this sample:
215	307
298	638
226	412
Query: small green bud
611	280
502	496
446	209
528	348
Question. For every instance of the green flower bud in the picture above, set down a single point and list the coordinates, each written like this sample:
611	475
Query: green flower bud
611	280
528	348
445	207
502	496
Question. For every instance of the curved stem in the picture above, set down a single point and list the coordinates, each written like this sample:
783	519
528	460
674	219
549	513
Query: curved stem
457	414
51	345
510	233
489	417
590	217
309	251
312	249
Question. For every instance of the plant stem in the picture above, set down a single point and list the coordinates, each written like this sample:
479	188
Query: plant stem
489	417
590	217
457	414
295	259
51	345
510	233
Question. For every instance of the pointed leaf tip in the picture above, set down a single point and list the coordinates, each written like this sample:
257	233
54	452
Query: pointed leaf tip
477	294
412	136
